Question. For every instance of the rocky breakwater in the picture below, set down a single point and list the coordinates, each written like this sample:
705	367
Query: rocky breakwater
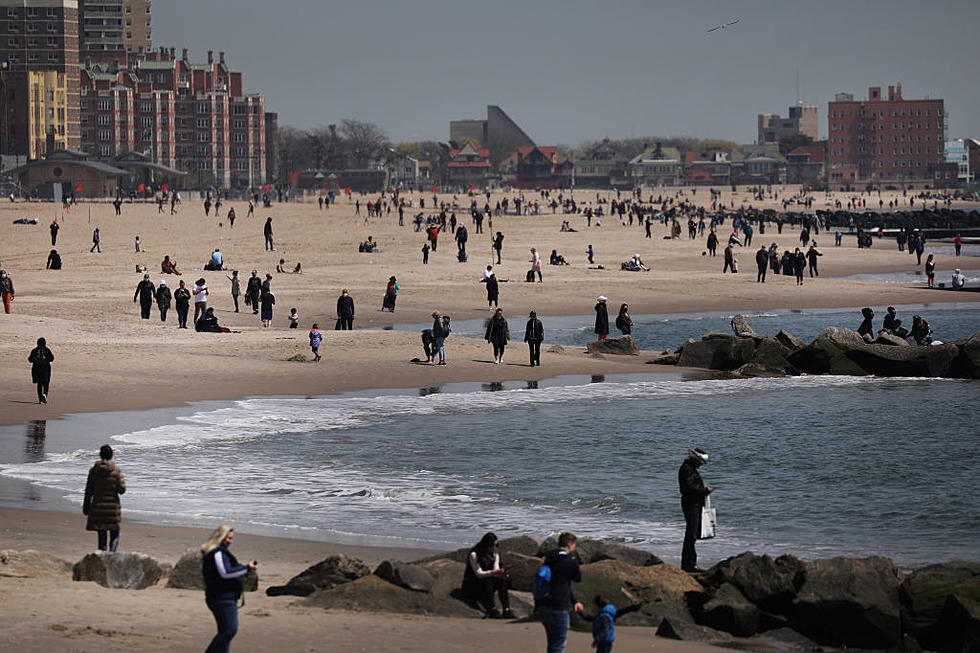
833	351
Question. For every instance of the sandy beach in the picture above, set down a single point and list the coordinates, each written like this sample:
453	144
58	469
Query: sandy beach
107	359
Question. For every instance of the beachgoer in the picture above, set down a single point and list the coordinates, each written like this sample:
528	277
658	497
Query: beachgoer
958	280
267	301
428	345
957	243
493	288
425	254
931	271
200	291
498	245
101	503
601	318
293	319
866	327
54	232
217	259
534	336
209	323
163	298
892	324
6	290
391	294
253	292
811	256
603	624
345	311
762	263
553	609
498	334
146	292
483	577
267	231
236	287
231	218
799	265
168	266
693	494
40	359
182	302
623	321
315	339
439	334
223	586
97	240
591	254
921	331
729	259
54	260
536	263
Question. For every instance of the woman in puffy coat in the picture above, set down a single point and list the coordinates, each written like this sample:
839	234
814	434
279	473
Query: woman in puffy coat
101	504
498	334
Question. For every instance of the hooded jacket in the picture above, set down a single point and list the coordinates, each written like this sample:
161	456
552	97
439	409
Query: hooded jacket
604	625
101	503
601	318
498	331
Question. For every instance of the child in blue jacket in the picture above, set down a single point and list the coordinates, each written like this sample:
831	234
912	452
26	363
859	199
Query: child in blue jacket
603	624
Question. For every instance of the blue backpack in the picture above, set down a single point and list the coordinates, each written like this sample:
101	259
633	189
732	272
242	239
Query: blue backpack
542	582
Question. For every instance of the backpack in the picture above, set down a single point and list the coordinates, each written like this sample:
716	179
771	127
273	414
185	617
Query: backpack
446	326
542	583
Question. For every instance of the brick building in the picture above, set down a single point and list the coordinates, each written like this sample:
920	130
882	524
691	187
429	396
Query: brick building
885	140
190	116
39	42
802	121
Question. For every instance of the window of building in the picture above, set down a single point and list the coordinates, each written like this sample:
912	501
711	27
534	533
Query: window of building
203	107
203	150
129	22
203	137
32	57
162	77
105	135
31	27
129	35
52	27
146	121
203	123
104	119
52	56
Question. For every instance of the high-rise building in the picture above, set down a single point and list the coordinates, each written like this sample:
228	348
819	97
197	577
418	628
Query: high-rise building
802	121
499	133
137	35
100	25
39	44
882	140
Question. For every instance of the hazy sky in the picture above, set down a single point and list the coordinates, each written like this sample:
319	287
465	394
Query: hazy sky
569	70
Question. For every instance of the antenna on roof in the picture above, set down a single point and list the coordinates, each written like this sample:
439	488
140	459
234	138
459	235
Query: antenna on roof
797	87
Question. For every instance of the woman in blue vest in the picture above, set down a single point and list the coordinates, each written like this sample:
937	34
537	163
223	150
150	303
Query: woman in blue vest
223	586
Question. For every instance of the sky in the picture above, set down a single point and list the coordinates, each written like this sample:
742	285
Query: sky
569	71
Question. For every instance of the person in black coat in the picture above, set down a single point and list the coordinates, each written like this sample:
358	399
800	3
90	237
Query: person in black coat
345	311
623	321
253	291
40	359
553	609
712	243
534	336
493	290
163	298
498	244
762	262
799	265
601	318
146	293
54	260
498	334
693	493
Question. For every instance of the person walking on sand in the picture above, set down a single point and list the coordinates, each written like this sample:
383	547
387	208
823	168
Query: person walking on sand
498	334
498	245
101	503
391	295
693	494
146	292
253	292
601	318
54	232
811	256
268	301
345	311
603	624
40	359
163	297
6	290
534	336
315	339
231	219
536	263
493	288
762	263
267	231
96	241
553	608
182	302
200	298
236	287
439	334
223	586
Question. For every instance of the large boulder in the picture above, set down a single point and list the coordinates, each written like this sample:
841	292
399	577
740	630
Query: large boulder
741	327
768	359
786	639
521	570
690	632
620	345
330	572
885	338
888	360
131	571
842	338
652	592
411	577
850	602
589	550
666	357
789	341
34	564
967	363
372	594
940	605
187	573
729	610
824	357
717	351
769	583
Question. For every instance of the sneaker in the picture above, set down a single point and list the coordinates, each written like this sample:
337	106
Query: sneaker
441	363
44	399
509	614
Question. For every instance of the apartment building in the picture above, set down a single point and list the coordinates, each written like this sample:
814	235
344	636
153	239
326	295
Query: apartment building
114	25
802	121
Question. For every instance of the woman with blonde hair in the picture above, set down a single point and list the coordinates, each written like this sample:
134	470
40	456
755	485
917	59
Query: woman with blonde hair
223	586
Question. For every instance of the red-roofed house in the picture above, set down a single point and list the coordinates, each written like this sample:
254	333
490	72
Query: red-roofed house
468	166
542	167
805	165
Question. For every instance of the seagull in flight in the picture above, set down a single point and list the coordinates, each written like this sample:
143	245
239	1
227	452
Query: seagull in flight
725	26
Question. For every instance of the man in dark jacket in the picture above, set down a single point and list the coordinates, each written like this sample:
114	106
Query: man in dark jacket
146	293
534	336
693	493
762	262
40	359
345	311
553	609
601	318
182	299
163	297
253	291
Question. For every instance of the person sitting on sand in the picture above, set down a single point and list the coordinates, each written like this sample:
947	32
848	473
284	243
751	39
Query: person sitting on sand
368	246
169	266
298	269
638	262
209	323
54	260
484	576
281	266
959	281
556	258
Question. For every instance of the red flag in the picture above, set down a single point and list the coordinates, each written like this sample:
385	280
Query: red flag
267	188
79	187
347	190
293	177
473	187
141	188
165	188
433	189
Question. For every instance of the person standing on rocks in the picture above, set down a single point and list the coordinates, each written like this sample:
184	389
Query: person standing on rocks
101	503
553	609
40	359
534	336
601	318
693	494
223	586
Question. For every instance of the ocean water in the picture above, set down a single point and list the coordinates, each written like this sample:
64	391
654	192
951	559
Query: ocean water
670	330
815	466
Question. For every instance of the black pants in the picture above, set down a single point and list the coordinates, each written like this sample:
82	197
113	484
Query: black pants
761	277
182	316
728	265
235	297
112	543
54	239
481	591
534	348
346	322
813	270
498	256
254	299
692	517
163	313
498	349
42	388
145	310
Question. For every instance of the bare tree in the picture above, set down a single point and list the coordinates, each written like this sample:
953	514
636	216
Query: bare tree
363	141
